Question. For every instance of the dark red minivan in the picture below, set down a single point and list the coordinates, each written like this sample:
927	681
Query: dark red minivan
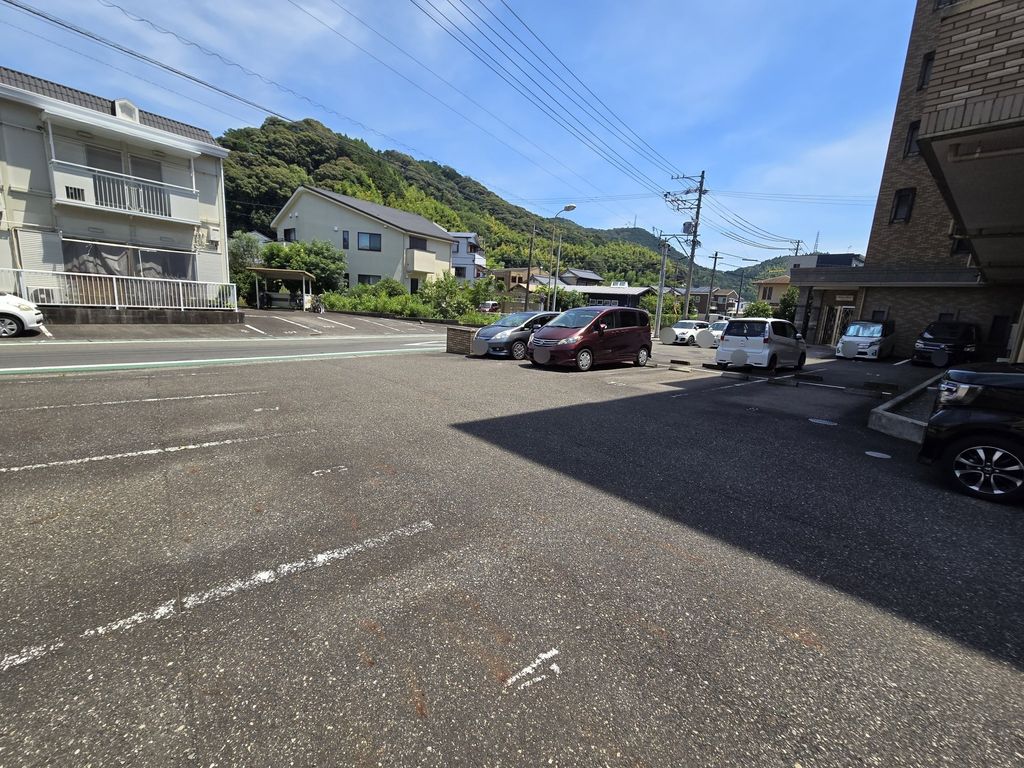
585	336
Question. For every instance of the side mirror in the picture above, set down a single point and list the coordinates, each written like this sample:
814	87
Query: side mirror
799	337
601	328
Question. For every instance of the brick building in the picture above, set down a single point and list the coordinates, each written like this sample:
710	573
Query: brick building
947	237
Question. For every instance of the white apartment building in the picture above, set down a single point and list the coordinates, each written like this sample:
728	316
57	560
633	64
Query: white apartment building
468	260
103	204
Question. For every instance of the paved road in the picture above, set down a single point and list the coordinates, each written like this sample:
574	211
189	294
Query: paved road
441	561
265	337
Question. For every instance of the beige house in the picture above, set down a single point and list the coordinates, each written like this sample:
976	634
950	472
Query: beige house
378	241
105	205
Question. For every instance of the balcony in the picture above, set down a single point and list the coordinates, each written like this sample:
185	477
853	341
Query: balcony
81	186
417	260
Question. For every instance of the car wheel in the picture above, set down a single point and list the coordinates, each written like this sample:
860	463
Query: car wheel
642	356
773	365
801	362
518	350
584	360
10	326
691	341
986	467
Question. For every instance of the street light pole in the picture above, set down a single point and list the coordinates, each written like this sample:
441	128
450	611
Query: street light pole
554	283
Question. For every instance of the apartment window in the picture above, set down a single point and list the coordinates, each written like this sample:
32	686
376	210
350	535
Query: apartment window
926	70
455	247
368	241
878	316
289	235
902	205
460	272
417	243
369	279
344	239
796	266
910	148
766	294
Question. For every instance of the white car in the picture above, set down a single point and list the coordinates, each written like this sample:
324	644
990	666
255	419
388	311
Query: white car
18	315
761	342
717	328
867	339
686	331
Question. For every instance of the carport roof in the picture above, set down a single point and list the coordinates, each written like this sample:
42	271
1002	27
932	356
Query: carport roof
281	274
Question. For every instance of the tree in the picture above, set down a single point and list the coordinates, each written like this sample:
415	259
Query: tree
481	290
787	304
758	309
320	258
447	296
243	252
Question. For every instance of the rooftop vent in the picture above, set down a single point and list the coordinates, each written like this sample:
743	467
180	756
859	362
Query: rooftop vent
126	110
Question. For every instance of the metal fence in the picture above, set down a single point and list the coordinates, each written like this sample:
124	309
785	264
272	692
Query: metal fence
76	289
126	194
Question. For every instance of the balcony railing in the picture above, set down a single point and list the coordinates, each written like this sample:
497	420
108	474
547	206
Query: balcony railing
74	289
80	185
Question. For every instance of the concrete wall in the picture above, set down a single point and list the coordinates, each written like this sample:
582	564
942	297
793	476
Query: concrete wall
316	218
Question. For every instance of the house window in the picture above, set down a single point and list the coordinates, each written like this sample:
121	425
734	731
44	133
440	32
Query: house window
910	148
417	243
344	239
926	70
289	235
902	205
455	247
796	266
766	294
369	279
460	272
368	241
878	316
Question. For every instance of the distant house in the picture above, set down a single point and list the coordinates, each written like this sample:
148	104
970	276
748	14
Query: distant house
510	277
468	262
581	277
378	241
263	239
723	301
771	289
611	296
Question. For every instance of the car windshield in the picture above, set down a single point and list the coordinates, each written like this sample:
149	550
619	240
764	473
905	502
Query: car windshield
685	324
514	320
872	330
747	328
574	318
946	330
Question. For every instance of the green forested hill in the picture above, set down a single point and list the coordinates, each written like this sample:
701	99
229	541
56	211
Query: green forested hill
266	164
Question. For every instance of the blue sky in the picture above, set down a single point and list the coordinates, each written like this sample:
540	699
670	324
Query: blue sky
768	96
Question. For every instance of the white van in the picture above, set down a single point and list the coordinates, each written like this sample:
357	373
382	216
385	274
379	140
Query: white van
761	342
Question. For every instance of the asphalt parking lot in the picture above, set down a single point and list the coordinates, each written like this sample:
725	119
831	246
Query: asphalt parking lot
436	560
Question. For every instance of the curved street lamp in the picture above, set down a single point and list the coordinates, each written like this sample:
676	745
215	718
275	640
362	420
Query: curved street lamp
558	261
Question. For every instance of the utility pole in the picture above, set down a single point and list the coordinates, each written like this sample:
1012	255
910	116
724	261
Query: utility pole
558	267
661	287
529	267
711	289
796	248
693	248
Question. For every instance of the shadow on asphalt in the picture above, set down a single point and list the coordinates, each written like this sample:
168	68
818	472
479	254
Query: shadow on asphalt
883	532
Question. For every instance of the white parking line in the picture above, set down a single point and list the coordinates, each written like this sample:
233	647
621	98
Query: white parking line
756	381
127	402
902	362
389	327
174	606
148	452
343	325
286	320
253	328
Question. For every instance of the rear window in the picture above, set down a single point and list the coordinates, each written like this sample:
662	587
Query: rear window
948	331
748	328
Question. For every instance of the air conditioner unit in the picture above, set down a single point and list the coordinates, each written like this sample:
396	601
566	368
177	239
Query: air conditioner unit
213	233
126	110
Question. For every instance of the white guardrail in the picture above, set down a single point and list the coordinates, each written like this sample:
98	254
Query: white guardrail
75	289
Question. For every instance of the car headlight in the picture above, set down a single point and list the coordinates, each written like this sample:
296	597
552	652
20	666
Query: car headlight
970	348
26	307
918	344
500	336
569	340
961	394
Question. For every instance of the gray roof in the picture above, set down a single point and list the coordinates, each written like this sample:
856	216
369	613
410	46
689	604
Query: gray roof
586	274
607	290
16	79
403	220
705	289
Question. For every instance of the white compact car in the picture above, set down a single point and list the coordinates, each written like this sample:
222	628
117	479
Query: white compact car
686	331
18	315
867	339
717	329
761	342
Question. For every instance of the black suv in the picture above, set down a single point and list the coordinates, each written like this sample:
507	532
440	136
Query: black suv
946	343
976	432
